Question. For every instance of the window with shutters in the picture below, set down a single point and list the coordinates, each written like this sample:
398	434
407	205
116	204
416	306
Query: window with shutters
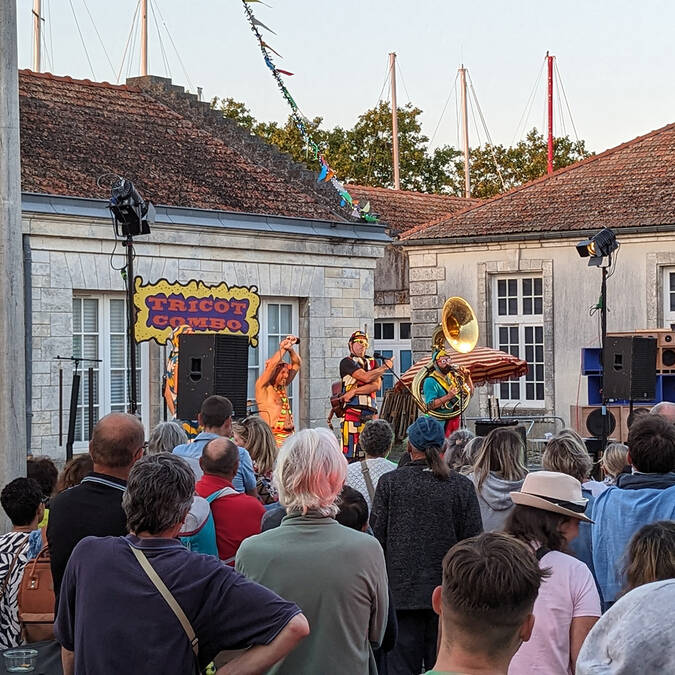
99	332
518	329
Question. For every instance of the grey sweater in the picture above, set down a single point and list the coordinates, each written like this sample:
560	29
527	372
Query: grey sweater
417	518
494	500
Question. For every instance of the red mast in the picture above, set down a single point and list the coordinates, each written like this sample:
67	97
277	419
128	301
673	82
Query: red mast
549	167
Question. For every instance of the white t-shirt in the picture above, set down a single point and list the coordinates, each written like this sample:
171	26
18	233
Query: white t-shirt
568	593
376	467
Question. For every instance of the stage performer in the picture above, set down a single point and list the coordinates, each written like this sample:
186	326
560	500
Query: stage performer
440	388
270	390
361	379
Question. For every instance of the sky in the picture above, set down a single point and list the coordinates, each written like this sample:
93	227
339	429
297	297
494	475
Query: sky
615	58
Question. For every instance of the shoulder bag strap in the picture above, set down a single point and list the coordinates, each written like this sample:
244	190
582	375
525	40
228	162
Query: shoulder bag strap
170	600
369	481
223	492
11	567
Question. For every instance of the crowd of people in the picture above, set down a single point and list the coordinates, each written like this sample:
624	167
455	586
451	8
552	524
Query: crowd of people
230	554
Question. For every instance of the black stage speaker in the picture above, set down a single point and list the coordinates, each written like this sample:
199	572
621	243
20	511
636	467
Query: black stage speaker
211	364
629	369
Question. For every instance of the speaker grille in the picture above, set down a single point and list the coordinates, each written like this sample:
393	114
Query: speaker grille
230	370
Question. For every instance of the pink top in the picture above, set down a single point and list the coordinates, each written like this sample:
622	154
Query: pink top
568	593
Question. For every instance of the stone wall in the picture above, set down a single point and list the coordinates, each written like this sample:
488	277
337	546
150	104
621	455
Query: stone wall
333	282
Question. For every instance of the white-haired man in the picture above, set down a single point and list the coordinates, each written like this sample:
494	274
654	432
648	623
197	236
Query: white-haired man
336	574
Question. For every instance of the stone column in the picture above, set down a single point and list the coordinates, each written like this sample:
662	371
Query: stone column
12	336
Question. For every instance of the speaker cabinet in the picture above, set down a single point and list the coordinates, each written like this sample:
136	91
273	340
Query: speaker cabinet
629	369
665	359
587	421
208	365
666	339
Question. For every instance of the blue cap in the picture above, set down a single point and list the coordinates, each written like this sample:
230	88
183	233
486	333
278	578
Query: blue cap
426	432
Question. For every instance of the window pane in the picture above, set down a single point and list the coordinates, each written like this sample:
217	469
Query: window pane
513	286
539	353
503	334
529	391
514	334
528	334
540	391
527	286
272	345
117	387
527	305
118	322
538	286
286	319
513	306
273	319
501	287
90	315
90	347
405	356
117	351
378	331
539	333
504	391
77	315
405	331
538	306
501	307
387	331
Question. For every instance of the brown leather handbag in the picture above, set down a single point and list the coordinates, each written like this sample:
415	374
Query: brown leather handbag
36	599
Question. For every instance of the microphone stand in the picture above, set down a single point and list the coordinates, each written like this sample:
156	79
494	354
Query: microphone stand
422	406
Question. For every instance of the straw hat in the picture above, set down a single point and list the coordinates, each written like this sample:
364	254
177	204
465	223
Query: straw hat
552	491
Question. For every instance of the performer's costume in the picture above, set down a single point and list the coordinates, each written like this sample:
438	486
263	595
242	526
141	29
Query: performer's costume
284	426
359	409
437	384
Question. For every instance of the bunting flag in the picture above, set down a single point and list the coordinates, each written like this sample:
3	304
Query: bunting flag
326	174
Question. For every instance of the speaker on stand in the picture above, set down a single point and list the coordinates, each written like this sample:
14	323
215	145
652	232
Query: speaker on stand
211	364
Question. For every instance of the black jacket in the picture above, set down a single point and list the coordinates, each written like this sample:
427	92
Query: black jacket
638	481
417	518
92	508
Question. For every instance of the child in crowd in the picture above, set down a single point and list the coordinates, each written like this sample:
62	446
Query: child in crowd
22	502
614	461
651	555
74	471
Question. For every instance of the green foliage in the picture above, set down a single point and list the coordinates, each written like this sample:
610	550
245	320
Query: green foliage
363	154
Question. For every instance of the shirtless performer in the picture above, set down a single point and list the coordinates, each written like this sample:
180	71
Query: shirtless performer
270	390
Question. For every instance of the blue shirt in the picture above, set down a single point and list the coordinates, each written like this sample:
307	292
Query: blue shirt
244	480
123	625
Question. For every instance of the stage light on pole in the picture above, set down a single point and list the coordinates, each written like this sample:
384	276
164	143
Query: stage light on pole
599	246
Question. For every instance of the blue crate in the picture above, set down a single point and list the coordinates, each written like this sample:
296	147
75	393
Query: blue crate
591	361
664	391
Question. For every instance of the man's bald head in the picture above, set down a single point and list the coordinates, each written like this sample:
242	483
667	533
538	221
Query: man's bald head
220	457
117	441
665	409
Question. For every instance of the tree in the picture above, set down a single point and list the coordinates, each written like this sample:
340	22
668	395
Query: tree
363	154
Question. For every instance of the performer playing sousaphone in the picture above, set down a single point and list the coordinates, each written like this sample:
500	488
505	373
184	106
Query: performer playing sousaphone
361	379
270	390
446	388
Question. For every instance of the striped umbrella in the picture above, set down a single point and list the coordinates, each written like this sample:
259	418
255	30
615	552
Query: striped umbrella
485	365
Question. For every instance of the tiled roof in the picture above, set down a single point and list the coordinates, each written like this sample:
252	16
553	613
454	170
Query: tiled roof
632	185
404	209
73	131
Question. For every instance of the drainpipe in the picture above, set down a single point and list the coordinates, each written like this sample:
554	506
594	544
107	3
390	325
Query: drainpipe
28	331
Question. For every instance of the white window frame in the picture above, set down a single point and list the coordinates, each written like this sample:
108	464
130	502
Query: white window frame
521	321
263	345
395	345
668	314
104	367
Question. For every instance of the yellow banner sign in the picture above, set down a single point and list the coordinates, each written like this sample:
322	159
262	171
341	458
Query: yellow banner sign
163	306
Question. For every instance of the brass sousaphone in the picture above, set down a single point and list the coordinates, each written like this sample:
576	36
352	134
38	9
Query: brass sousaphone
459	327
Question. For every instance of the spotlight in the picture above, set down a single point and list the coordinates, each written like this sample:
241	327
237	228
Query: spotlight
598	247
131	212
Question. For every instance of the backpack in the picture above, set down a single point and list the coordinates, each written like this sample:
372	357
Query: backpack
202	538
35	598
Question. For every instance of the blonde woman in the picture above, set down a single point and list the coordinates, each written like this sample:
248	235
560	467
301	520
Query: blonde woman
497	471
614	461
651	555
254	434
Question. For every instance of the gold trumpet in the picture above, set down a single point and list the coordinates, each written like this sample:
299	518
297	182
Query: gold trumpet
459	327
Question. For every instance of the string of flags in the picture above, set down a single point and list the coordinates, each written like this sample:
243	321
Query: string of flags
326	174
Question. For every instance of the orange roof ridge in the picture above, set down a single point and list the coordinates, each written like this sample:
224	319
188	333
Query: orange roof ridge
67	78
541	179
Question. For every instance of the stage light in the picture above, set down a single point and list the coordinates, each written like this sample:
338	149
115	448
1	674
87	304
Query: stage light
599	246
132	213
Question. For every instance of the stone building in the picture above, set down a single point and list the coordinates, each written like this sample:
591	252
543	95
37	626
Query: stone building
229	208
513	258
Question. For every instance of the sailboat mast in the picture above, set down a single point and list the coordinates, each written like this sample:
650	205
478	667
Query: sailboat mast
394	121
465	132
549	165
